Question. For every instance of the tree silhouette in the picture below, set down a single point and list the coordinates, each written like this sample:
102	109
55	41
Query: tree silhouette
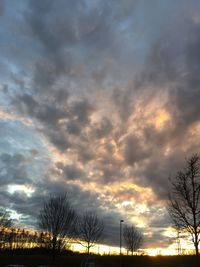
89	230
133	238
5	220
5	223
57	217
184	199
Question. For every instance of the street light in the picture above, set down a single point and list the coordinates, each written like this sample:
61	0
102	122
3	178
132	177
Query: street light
120	241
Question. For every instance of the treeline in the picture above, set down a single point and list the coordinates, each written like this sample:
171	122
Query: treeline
60	224
16	238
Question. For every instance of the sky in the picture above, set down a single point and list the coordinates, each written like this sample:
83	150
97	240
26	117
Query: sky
99	99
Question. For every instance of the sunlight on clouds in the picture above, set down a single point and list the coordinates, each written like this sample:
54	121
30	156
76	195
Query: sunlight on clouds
169	232
185	243
153	112
130	115
28	190
126	203
56	155
4	115
193	132
161	119
157	116
14	215
125	197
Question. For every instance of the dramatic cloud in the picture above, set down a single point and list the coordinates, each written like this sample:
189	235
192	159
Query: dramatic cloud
99	99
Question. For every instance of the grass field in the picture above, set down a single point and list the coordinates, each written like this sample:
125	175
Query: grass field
101	261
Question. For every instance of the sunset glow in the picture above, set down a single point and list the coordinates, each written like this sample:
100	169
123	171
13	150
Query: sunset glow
99	99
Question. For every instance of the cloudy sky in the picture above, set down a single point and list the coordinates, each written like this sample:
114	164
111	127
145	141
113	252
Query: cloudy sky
99	98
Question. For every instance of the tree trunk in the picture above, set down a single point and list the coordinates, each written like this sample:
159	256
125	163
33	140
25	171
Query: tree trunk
196	245
54	250
88	249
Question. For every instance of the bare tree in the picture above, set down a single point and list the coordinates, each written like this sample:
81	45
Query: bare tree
184	200
5	222
57	217
89	230
133	238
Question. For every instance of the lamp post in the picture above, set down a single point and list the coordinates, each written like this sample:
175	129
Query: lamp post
120	242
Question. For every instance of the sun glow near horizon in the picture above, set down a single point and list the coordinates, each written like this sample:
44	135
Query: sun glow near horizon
103	249
111	250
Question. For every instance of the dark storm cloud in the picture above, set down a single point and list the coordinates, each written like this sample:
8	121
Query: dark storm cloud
70	172
158	239
61	29
173	63
188	91
134	150
47	111
13	169
57	118
81	111
157	170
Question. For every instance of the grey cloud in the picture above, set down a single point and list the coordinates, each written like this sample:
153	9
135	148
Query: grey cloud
187	94
161	63
157	170
160	220
85	152
134	150
110	174
46	111
30	206
102	128
5	198
158	239
111	221
57	27
71	50
57	119
173	64
73	127
42	17
58	138
62	29
45	75
123	100
81	110
13	169
70	172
